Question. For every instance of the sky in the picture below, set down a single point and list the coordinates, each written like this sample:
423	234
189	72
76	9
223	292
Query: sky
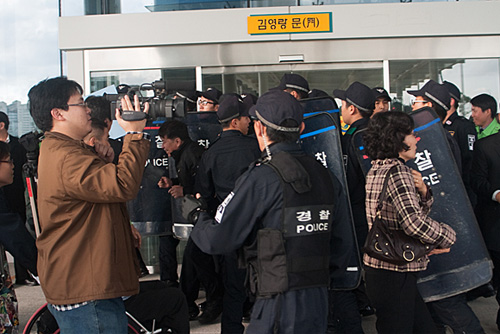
29	50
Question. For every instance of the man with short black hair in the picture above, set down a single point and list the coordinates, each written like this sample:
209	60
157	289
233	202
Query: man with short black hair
484	112
86	256
209	99
270	215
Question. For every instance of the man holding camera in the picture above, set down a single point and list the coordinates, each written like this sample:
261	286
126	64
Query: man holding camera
86	258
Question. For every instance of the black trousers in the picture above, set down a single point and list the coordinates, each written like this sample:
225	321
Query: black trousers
168	258
398	305
157	301
199	267
343	313
455	313
234	295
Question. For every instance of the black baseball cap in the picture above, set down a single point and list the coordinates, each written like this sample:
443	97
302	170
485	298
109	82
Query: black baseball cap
435	92
231	106
212	94
359	95
454	91
276	106
379	92
293	81
249	100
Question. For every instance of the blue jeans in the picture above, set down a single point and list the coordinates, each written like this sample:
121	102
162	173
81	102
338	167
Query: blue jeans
105	316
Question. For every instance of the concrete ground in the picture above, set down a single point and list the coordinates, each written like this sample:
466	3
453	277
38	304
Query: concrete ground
31	298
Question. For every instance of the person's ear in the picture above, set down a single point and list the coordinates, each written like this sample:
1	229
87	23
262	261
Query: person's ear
295	94
92	141
2	125
216	107
302	127
57	114
258	127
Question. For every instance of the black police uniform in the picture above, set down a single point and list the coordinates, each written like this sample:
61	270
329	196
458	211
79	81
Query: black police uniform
464	132
355	180
187	158
221	165
257	206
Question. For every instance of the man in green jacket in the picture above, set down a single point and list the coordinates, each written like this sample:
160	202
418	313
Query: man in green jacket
86	256
484	111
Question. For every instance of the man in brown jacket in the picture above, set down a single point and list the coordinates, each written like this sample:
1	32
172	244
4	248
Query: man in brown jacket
86	258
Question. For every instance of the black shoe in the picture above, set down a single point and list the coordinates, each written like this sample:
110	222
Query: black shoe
210	314
172	284
367	311
28	282
486	290
193	312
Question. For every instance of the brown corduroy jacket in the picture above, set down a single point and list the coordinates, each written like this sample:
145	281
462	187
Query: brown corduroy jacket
85	249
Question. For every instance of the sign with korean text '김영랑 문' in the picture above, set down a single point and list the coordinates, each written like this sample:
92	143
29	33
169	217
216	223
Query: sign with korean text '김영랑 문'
290	23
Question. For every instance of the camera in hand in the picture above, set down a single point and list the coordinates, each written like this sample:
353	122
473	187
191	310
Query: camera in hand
161	104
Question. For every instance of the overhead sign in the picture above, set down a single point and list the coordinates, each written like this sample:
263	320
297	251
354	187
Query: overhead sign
290	23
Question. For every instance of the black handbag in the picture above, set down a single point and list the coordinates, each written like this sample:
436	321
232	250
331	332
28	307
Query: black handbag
392	246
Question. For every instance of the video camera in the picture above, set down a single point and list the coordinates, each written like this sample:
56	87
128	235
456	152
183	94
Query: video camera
31	143
161	104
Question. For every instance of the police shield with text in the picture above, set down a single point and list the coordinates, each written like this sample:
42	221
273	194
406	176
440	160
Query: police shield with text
281	214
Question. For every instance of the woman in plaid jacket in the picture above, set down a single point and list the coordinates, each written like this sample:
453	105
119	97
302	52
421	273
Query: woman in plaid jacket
393	288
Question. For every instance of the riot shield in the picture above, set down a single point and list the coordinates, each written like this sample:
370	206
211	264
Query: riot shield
321	139
203	127
150	211
321	104
467	265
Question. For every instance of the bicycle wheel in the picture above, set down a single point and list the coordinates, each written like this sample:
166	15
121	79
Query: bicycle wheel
41	322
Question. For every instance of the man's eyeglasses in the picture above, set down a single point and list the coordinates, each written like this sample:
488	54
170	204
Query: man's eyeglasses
419	101
204	102
84	104
10	161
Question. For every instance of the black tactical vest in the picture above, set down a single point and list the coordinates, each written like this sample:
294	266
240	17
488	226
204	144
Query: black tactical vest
297	256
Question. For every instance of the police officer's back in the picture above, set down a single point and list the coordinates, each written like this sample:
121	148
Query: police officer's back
282	209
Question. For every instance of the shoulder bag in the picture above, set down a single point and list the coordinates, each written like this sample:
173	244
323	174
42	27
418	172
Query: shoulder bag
392	246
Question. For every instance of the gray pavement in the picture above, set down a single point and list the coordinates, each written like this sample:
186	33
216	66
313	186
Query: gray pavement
31	298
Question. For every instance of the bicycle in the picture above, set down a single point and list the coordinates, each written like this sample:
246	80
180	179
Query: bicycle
42	322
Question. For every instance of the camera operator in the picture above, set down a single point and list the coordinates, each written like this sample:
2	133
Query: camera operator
86	256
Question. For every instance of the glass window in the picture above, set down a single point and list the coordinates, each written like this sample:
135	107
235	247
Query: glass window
471	76
258	83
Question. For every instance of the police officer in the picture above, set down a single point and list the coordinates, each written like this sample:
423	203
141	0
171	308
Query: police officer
209	99
295	84
382	100
452	311
280	213
358	102
464	132
225	160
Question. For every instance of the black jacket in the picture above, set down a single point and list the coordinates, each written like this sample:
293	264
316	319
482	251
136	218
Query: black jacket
485	180
355	180
187	159
464	133
224	161
14	192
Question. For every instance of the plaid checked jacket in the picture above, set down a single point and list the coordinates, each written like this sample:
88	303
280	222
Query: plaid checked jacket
403	209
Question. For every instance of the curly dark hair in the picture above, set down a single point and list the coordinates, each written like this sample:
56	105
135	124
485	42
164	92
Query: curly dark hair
385	134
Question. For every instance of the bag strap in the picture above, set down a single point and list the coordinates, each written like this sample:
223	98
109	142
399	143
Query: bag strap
383	193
